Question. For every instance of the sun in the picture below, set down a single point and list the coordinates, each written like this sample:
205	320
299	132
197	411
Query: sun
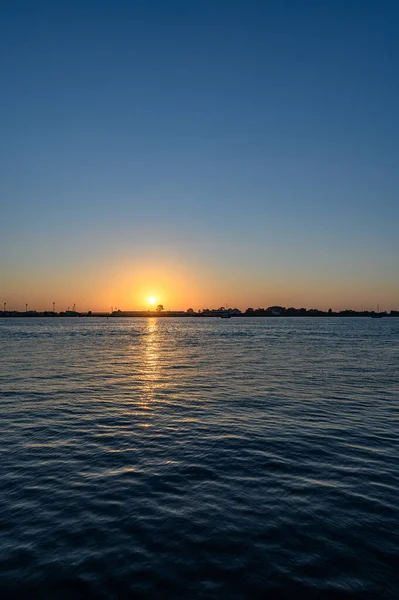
152	300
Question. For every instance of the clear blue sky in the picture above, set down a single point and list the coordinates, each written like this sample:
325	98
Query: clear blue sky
204	149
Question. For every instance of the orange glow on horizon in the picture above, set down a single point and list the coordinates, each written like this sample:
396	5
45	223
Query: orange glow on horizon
178	284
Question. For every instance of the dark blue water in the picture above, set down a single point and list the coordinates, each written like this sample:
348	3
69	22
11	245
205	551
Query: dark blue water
199	458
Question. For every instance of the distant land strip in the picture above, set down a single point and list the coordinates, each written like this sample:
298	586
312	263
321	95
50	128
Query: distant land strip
223	312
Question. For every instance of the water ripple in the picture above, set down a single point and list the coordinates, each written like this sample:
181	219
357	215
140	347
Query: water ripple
199	458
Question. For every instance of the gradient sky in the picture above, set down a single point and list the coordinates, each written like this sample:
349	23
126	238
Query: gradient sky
202	151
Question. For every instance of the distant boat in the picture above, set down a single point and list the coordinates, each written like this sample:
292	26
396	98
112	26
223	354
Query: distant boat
225	316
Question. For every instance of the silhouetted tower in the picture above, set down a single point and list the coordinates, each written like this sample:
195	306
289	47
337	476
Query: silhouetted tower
74	307
53	307
26	307
5	306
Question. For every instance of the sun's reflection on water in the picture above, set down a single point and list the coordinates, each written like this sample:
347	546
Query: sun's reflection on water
150	363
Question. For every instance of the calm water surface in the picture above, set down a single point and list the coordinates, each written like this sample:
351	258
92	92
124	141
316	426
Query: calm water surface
199	458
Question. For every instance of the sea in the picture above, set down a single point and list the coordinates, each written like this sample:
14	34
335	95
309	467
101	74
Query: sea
199	458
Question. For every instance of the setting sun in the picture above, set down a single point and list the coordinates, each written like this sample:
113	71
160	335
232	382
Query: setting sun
152	300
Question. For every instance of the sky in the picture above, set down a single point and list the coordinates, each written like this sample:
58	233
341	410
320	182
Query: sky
202	152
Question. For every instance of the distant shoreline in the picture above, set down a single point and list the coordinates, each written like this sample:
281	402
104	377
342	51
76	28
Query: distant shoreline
184	315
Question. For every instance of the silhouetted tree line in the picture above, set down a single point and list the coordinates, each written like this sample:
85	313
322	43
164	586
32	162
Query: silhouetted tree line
282	311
